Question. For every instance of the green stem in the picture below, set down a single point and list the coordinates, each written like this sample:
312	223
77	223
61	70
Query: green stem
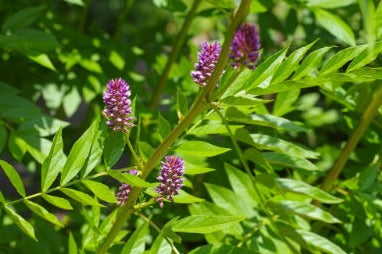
84	15
174	249
199	105
177	45
254	183
133	153
353	141
121	19
63	186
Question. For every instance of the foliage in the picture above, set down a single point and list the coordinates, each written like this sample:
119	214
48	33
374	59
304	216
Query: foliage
285	158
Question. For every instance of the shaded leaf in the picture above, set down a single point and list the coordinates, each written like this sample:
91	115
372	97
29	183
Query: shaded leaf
42	212
81	197
13	177
25	226
320	242
137	241
58	202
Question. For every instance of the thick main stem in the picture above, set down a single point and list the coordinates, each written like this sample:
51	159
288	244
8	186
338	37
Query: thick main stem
176	46
199	105
353	141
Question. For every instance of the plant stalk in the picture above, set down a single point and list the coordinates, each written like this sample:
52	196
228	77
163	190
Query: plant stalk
199	105
176	46
354	139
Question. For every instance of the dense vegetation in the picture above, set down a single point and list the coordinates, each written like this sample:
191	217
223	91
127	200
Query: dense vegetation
190	126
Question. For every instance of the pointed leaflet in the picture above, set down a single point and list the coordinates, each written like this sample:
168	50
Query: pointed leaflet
334	25
310	63
114	147
307	190
204	224
42	212
22	18
53	164
78	154
290	161
13	176
220	248
100	190
81	197
58	202
320	242
72	245
21	222
306	210
136	242
129	178
200	148
290	65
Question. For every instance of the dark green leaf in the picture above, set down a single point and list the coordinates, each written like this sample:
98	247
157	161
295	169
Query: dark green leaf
289	161
220	248
3	136
22	18
114	147
164	127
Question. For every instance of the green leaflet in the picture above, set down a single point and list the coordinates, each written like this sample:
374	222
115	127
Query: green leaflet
42	212
78	154
101	190
25	226
13	177
200	148
204	224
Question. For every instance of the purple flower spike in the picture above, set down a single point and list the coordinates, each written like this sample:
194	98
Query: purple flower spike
171	179
207	60
117	101
245	46
124	191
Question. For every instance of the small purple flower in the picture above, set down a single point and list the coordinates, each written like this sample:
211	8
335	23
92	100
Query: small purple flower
245	46
117	101
207	60
171	173
124	191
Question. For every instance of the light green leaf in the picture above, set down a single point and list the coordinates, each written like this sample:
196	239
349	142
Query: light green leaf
81	197
43	213
266	142
284	101
257	157
264	72
191	169
307	190
241	184
75	2
161	246
342	57
96	151
58	202
375	73
229	200
129	178
181	104
289	161
330	4
310	63
78	154
117	60
204	224
22	18
43	60
290	65
320	242
367	56
13	177
137	241
101	190
243	99
334	25
71	102
220	248
53	164
200	148
226	4
257	7
369	20
114	147
25	226
213	127
267	120
164	127
2	199
72	245
307	210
